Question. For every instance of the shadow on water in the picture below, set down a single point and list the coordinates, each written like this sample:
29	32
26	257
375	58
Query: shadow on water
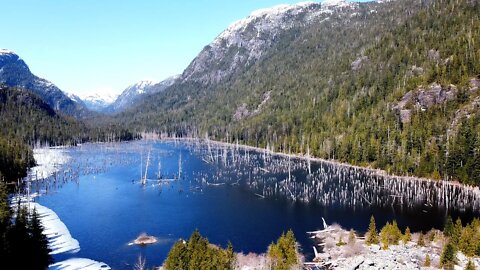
229	193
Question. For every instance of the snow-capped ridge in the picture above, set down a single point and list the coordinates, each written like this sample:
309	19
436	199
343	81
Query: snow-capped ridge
140	86
5	51
248	39
134	92
274	13
106	98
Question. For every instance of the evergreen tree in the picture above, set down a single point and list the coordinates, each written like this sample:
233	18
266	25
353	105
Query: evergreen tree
457	232
421	240
448	258
38	244
372	235
448	229
408	236
427	262
284	253
198	253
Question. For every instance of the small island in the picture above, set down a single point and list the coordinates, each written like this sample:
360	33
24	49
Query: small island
144	239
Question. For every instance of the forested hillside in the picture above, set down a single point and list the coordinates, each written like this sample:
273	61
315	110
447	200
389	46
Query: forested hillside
14	72
28	121
391	85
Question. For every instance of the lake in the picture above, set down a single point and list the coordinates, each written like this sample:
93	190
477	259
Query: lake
228	193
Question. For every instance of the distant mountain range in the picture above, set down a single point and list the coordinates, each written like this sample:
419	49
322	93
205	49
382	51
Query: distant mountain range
94	102
134	93
14	72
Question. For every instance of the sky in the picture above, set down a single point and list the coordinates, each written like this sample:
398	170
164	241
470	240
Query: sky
103	46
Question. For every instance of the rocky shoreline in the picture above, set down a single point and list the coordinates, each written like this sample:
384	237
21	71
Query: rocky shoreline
355	254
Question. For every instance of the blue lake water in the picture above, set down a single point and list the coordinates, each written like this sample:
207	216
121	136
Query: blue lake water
106	207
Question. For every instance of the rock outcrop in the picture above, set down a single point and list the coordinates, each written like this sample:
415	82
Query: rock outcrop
423	99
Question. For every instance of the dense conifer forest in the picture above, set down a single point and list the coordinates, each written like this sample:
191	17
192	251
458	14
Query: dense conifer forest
395	88
27	121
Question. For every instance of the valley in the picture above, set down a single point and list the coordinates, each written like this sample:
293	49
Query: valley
300	117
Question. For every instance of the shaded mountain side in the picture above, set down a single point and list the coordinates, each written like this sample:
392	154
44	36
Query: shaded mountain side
28	121
388	85
14	72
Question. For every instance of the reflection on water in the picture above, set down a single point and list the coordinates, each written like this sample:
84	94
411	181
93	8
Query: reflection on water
229	193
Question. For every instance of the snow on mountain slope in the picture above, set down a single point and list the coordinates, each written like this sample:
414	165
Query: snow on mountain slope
134	92
246	40
99	102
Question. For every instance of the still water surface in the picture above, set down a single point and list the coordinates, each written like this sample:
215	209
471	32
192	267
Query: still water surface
107	207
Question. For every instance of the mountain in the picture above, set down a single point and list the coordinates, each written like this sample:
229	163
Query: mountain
247	40
97	102
390	85
135	92
14	72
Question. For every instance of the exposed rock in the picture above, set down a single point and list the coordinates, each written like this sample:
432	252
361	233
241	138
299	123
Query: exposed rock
415	71
474	84
434	55
465	112
405	116
144	239
434	95
248	39
359	63
243	112
423	99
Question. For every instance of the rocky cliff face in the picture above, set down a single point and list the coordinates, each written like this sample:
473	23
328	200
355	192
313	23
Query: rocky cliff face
248	39
14	72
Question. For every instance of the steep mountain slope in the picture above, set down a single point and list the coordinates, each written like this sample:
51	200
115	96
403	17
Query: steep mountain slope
247	40
14	72
135	92
392	85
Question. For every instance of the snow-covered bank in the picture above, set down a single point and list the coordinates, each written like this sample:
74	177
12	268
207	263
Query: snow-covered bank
79	264
59	238
49	161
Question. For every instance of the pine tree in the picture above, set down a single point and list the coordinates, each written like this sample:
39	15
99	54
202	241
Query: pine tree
38	243
448	257
421	240
427	261
5	217
372	237
457	233
448	229
284	252
408	236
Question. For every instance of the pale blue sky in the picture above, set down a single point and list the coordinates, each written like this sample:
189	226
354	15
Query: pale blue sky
86	46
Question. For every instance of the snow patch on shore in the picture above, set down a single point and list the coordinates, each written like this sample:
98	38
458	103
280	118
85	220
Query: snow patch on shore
59	238
49	161
79	264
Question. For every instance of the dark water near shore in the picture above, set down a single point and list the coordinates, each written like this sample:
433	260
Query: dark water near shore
106	207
